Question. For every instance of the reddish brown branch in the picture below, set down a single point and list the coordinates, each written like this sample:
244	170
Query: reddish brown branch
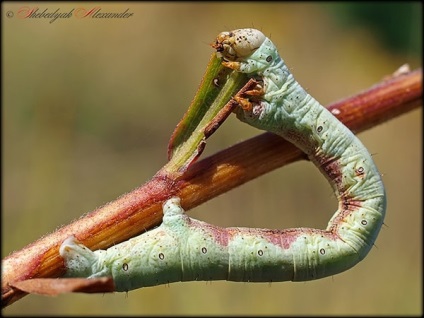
141	209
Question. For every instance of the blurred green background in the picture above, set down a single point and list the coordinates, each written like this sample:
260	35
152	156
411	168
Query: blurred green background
89	105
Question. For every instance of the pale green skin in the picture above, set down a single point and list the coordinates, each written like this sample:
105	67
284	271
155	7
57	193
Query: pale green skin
185	249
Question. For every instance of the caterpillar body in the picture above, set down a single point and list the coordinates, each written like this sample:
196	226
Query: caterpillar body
185	249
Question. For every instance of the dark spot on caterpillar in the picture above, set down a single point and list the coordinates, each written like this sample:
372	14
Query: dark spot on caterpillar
216	82
322	251
161	256
360	171
345	203
125	267
269	58
364	222
260	252
319	129
204	250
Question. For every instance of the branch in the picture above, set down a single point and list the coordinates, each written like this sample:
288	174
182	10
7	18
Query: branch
141	209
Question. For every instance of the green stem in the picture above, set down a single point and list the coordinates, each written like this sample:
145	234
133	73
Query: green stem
218	86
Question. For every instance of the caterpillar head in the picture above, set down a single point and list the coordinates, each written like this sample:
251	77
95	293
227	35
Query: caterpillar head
238	44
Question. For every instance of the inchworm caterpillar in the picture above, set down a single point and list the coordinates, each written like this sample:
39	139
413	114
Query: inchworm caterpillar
185	249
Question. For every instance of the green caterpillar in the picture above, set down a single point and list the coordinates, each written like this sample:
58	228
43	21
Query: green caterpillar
185	249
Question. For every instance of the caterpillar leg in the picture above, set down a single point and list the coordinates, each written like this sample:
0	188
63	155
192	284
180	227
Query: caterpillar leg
244	103
250	98
232	65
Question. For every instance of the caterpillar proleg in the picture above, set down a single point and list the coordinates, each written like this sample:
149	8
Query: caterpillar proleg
185	249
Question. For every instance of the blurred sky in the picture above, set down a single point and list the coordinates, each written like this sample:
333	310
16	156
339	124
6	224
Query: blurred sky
89	106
